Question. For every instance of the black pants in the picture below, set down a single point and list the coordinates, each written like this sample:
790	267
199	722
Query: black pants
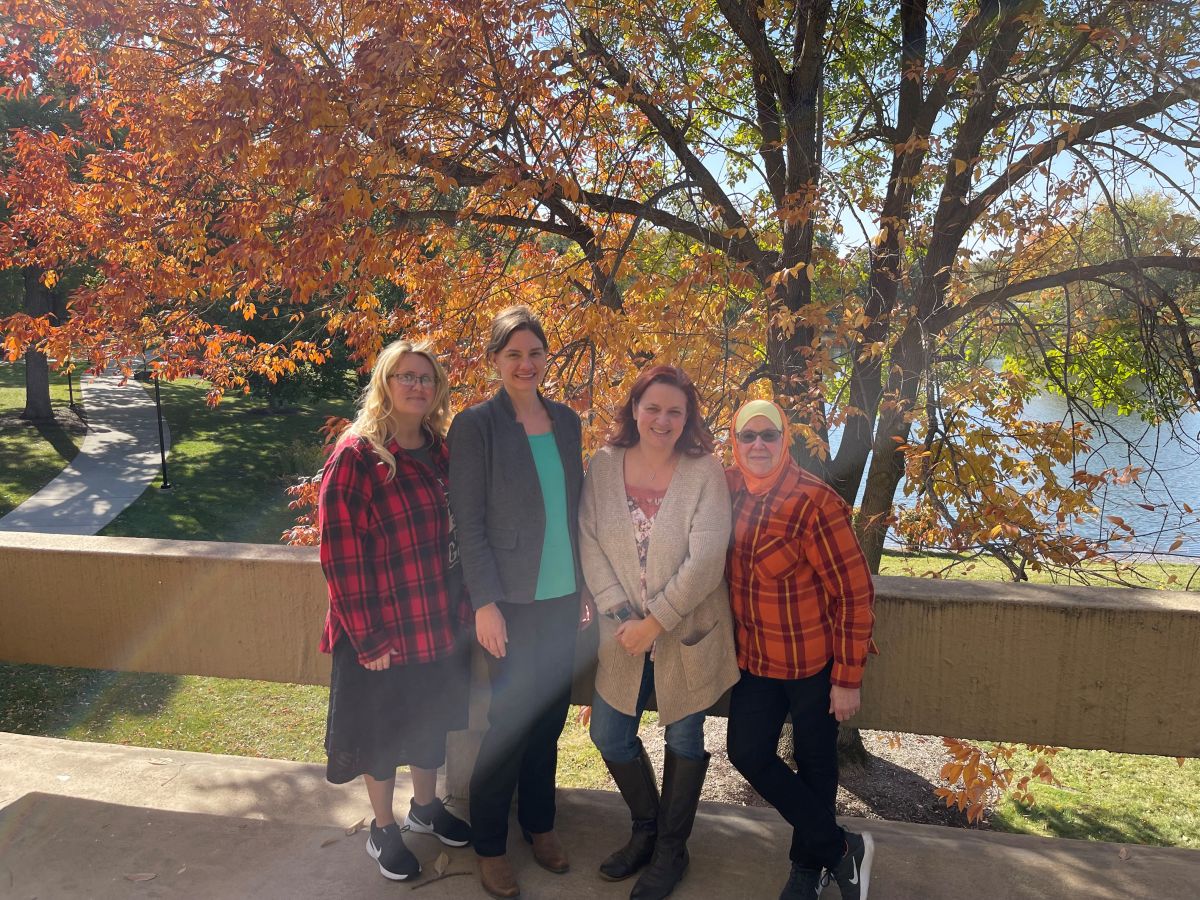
531	691
805	798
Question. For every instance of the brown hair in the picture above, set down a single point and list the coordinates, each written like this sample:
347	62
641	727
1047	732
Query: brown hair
511	320
694	440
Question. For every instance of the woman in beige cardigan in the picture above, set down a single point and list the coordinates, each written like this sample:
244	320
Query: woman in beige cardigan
654	526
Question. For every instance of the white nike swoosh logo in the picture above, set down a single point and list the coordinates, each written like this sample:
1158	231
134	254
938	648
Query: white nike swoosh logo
854	877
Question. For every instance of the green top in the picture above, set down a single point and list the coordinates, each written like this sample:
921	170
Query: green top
556	570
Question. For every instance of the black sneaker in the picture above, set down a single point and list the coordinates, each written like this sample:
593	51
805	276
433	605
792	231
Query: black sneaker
804	884
386	846
435	819
853	873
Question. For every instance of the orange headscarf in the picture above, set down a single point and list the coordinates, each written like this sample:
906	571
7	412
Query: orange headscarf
760	484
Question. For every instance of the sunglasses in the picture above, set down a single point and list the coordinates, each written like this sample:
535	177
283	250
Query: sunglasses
768	435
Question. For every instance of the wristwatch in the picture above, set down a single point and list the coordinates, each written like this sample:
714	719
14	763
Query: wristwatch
622	613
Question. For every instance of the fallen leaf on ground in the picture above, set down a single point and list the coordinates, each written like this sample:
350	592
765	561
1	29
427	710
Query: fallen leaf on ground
141	876
160	761
436	878
181	871
441	863
1123	853
356	827
328	842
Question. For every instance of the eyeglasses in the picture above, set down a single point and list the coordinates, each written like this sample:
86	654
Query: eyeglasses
408	379
768	435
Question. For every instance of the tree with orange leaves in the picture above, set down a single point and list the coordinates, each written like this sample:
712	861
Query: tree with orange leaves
798	194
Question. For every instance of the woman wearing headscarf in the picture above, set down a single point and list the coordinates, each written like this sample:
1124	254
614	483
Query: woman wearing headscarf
396	602
654	528
802	594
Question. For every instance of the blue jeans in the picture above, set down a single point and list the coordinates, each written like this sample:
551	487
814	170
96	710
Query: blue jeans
615	734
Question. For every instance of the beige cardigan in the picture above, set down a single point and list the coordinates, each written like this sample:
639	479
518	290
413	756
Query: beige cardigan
694	662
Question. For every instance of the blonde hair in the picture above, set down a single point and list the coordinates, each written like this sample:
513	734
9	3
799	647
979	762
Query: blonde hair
375	403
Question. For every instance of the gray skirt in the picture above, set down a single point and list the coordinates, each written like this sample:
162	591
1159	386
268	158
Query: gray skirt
379	721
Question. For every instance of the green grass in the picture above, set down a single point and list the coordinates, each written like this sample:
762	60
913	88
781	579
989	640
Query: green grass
1144	574
30	456
207	715
1111	797
176	712
229	466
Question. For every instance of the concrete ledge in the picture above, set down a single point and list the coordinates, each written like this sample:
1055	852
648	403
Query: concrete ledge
1084	667
1072	666
179	607
76	819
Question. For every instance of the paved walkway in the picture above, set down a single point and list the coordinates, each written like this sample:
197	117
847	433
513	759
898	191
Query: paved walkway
119	459
95	820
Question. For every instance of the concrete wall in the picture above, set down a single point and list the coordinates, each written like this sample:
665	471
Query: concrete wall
183	607
1082	667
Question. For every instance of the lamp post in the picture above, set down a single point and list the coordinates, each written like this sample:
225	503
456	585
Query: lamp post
71	390
162	444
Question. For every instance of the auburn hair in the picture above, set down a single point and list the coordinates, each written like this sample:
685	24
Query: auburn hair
694	440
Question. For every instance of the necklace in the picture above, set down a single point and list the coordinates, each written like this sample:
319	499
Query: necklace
652	473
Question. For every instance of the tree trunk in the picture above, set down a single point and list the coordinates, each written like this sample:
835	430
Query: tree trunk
882	480
850	747
909	361
38	302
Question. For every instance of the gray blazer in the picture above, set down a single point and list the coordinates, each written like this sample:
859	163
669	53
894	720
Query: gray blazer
497	500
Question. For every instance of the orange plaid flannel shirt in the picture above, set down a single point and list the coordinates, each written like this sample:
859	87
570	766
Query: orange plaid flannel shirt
798	581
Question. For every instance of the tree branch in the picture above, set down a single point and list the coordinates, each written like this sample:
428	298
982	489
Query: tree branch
744	246
1076	134
1130	265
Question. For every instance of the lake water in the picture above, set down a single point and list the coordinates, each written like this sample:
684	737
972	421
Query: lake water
1170	460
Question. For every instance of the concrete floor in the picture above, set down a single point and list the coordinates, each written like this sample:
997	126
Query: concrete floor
93	820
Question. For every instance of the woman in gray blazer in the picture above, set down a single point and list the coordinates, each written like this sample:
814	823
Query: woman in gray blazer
515	474
654	530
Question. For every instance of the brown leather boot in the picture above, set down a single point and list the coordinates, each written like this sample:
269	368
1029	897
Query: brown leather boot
639	788
548	852
682	781
497	877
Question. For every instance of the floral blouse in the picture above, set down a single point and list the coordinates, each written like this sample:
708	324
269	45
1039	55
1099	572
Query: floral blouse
643	505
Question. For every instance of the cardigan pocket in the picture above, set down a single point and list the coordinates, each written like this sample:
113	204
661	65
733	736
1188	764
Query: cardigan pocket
502	538
699	656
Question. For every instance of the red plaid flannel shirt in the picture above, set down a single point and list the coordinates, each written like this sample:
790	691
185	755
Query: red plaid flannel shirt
385	551
798	581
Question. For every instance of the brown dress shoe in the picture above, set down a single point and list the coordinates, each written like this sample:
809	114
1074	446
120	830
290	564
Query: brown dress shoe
548	852
497	877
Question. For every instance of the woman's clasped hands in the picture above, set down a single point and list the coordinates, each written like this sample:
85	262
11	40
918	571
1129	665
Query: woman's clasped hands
637	636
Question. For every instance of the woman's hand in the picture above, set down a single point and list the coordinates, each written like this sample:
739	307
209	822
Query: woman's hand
844	702
490	630
380	662
638	635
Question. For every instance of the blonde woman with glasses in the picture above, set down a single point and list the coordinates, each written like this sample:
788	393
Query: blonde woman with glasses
397	605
